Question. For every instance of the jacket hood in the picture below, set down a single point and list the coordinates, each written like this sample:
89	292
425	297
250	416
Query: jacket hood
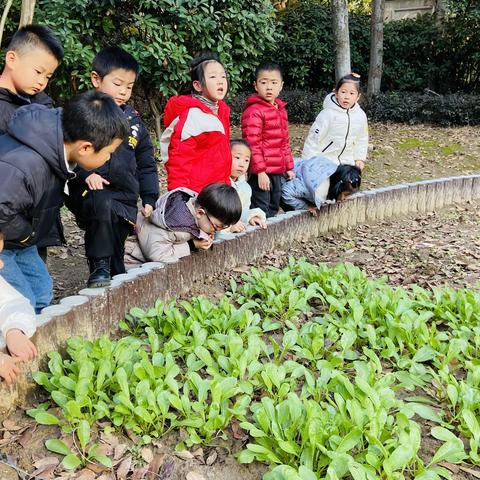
253	99
16	99
331	102
179	103
40	128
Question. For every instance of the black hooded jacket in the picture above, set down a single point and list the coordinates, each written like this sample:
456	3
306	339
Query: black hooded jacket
9	103
131	171
32	169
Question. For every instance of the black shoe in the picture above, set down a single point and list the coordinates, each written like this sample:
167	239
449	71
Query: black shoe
99	272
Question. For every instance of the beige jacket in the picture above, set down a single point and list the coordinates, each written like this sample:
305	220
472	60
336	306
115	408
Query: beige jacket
156	241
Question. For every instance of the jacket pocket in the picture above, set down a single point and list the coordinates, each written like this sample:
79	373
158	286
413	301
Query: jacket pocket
326	148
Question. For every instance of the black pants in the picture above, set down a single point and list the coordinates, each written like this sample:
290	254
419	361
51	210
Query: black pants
105	231
268	201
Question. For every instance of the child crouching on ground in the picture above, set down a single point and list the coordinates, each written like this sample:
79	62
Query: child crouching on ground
17	323
241	155
183	222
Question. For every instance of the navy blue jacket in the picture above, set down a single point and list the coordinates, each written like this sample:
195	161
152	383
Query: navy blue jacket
131	171
32	166
9	102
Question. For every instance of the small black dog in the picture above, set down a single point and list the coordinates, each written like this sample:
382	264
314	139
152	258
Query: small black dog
345	181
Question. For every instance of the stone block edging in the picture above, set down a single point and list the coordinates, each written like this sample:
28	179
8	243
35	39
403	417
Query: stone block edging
103	308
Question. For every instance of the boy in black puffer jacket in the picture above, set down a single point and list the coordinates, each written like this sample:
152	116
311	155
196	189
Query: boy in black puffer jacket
105	202
40	146
32	57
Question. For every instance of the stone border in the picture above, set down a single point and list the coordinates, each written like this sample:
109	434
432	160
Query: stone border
97	311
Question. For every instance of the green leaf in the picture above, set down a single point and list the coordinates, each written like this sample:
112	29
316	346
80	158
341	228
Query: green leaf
57	446
83	433
45	418
103	459
71	462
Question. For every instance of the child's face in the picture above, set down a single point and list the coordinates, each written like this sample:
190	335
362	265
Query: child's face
240	160
118	84
30	70
268	85
347	95
83	153
207	223
216	84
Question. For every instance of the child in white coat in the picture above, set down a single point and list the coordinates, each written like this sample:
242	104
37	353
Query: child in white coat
340	131
17	323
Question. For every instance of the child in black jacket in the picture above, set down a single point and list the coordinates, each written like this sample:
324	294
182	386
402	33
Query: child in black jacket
105	202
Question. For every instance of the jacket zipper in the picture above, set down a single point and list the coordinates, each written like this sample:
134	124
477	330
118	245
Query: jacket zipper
346	136
327	146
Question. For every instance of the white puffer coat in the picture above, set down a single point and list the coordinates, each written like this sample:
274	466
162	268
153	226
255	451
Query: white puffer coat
339	134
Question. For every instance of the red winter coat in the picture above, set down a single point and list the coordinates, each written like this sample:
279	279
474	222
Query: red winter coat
195	144
265	127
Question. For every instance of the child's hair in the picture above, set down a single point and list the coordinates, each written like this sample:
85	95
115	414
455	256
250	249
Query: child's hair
32	36
352	78
111	58
239	141
198	64
94	117
268	67
221	201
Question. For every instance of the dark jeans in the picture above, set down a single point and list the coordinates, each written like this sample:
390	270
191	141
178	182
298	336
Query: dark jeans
105	231
268	201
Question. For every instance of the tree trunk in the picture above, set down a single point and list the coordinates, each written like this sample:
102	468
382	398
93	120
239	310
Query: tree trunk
156	115
26	16
376	49
4	18
440	14
341	38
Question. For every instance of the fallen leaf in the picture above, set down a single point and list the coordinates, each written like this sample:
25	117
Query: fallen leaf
194	476
212	458
85	474
184	455
119	451
11	425
147	454
155	466
124	468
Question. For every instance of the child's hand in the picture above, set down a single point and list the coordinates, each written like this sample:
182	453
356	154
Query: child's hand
290	174
147	210
313	210
360	164
258	221
8	367
238	227
202	244
96	182
19	345
263	181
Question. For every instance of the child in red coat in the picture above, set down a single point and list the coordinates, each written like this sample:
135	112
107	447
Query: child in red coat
265	127
196	142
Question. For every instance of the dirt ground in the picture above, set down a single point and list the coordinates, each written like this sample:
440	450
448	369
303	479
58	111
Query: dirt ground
397	153
430	249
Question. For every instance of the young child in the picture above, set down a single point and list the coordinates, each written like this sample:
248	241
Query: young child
195	143
340	131
17	323
183	222
41	145
105	201
32	56
265	127
241	155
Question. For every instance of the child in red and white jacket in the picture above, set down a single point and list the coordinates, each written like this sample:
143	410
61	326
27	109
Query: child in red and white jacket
265	127
195	144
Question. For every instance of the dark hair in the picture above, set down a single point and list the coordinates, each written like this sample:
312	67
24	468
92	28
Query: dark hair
268	67
239	141
36	36
111	58
94	117
345	179
221	201
198	64
351	77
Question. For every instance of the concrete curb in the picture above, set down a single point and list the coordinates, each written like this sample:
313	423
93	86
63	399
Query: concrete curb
103	308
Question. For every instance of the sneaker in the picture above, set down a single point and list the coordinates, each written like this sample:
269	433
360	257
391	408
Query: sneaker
99	272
